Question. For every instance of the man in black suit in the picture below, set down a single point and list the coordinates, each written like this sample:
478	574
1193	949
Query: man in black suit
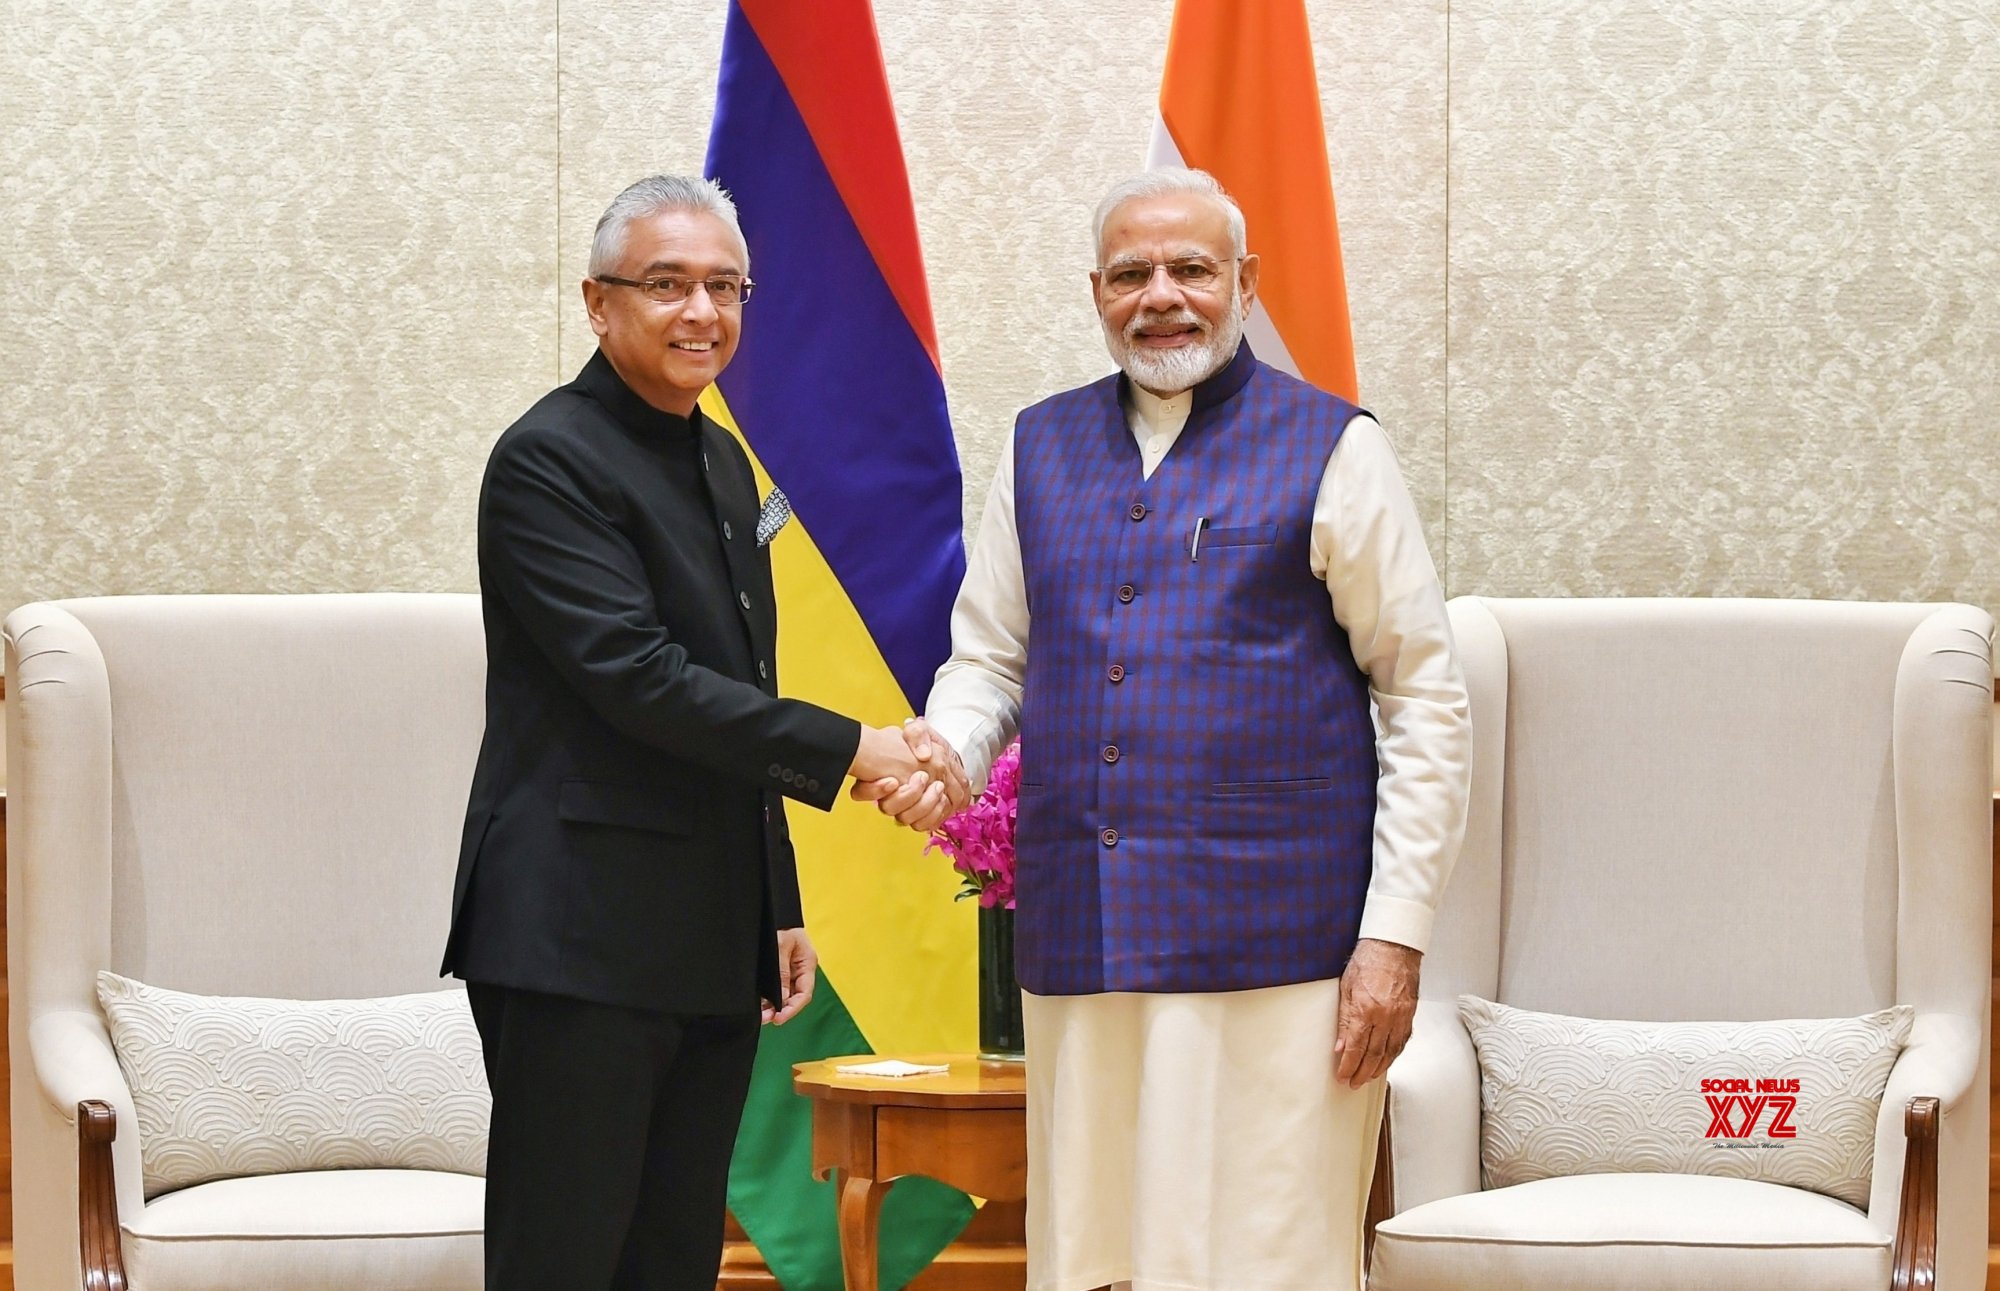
626	906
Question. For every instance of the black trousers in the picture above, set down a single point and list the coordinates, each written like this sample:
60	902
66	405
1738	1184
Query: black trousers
608	1161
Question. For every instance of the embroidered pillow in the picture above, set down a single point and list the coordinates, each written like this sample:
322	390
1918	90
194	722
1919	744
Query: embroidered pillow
227	1086
1790	1102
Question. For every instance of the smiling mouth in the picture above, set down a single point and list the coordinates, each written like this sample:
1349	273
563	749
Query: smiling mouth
692	347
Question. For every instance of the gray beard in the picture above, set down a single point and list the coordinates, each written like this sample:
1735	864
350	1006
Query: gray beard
1171	371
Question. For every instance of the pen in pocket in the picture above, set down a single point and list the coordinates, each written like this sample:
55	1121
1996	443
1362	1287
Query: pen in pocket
1194	550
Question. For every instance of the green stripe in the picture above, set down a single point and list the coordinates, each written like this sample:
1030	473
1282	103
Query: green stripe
789	1216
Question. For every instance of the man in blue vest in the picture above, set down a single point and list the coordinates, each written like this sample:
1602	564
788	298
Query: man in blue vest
1227	864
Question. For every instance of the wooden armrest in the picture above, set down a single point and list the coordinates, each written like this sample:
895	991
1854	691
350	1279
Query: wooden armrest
97	1198
1915	1267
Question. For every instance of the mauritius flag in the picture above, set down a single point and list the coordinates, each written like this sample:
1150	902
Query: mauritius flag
837	394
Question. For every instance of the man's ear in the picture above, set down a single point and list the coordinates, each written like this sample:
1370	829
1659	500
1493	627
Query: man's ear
1246	279
593	305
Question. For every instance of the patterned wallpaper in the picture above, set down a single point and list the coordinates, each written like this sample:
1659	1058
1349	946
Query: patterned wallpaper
1725	298
1653	297
270	278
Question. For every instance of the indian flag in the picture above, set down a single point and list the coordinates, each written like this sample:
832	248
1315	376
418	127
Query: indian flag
1239	99
837	394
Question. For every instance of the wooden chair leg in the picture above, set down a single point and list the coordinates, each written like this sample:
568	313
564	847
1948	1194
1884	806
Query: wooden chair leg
1381	1192
102	1251
1915	1267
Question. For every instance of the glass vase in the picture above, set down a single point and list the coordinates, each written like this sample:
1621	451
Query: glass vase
1000	1038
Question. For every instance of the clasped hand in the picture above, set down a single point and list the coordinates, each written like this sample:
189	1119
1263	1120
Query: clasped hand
912	774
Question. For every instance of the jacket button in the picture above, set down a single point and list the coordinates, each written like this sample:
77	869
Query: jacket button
1116	672
812	786
1125	593
763	670
1138	511
791	776
1111	753
744	597
775	770
727	532
1109	837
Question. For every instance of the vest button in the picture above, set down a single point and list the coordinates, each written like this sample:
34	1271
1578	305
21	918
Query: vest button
1125	593
1111	753
1116	672
744	599
1109	837
1138	511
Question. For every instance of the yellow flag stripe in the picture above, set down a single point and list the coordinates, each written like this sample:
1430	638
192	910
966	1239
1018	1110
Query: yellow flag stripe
880	911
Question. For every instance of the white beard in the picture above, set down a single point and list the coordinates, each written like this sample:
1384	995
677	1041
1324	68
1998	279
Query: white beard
1171	371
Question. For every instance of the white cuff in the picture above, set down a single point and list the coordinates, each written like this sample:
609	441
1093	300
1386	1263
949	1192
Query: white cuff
1398	919
974	738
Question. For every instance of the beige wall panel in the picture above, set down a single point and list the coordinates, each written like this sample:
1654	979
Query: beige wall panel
637	91
270	280
1725	305
1382	90
1014	120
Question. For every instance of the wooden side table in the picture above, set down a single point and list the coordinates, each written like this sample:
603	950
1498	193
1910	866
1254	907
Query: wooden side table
966	1127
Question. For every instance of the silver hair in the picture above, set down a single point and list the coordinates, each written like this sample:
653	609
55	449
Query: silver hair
1160	182
650	196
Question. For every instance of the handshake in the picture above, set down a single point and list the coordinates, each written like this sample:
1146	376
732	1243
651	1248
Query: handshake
911	774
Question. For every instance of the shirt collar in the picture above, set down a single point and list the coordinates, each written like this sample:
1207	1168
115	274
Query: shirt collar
1156	412
601	382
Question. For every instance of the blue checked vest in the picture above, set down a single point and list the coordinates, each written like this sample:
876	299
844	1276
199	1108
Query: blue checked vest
1198	764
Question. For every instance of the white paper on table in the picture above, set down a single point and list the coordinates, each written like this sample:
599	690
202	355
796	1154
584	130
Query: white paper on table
892	1067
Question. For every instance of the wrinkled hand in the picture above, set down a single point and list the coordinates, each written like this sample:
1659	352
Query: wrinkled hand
1378	1008
884	754
798	973
937	789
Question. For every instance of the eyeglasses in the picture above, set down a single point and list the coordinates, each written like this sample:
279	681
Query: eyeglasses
671	290
1191	273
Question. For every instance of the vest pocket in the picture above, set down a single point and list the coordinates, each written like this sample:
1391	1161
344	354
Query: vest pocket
1233	788
1249	535
1239	613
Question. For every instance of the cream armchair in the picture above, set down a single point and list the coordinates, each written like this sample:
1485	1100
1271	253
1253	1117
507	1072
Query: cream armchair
228	796
1711	810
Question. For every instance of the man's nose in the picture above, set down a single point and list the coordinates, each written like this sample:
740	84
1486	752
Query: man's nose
1162	292
699	308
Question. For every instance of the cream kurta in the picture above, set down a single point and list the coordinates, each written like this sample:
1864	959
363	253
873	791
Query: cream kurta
1198	1142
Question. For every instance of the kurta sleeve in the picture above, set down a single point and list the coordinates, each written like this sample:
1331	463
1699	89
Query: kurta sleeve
975	701
1368	544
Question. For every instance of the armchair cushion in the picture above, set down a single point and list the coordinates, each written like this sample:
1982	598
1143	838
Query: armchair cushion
1789	1102
386	1230
1637	1232
230	1086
